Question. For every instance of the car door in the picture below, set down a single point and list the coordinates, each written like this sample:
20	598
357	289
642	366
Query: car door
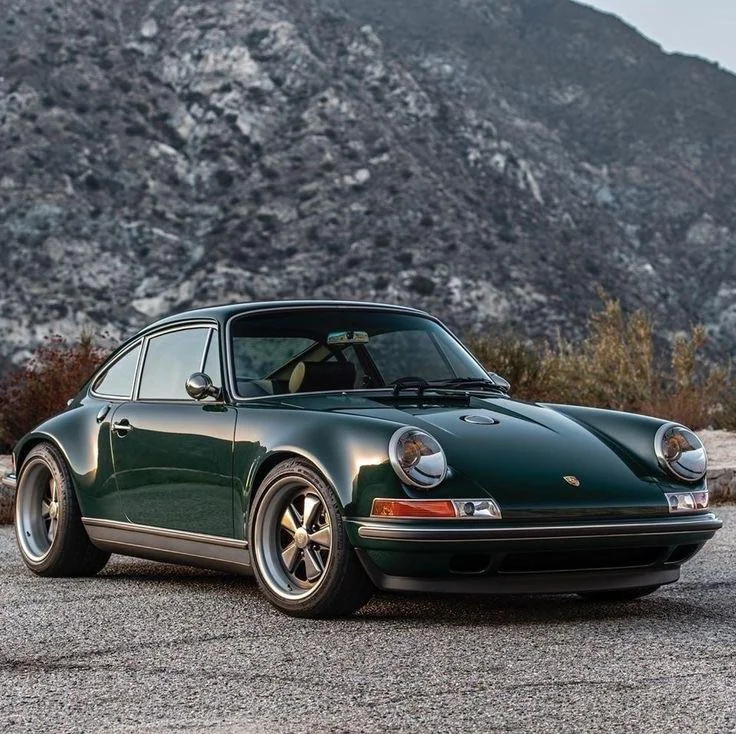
172	455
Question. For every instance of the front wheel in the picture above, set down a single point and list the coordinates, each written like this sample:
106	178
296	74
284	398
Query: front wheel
301	556
619	595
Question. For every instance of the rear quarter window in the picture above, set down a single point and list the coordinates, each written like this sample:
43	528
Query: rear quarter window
117	380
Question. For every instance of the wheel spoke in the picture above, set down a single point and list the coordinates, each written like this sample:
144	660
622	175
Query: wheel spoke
312	564
311	505
290	556
322	537
45	508
289	521
52	530
54	490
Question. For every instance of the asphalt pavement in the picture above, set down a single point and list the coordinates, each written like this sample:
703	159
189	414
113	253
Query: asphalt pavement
157	648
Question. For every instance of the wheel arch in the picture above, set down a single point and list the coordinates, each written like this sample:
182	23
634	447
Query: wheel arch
273	459
32	440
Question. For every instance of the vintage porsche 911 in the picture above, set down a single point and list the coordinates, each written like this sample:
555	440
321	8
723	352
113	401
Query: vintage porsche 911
330	448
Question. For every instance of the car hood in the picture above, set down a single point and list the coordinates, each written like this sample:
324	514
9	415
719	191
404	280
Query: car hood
522	455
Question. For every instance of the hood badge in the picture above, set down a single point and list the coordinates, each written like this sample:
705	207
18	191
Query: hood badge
479	420
570	479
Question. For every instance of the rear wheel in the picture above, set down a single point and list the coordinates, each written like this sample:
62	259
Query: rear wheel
301	555
48	522
619	594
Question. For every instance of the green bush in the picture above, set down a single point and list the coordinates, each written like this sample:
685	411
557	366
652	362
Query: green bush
54	373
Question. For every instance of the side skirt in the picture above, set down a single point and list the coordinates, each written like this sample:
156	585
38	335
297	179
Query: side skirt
169	546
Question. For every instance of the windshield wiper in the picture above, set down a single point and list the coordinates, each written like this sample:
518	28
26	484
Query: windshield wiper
454	383
469	382
410	383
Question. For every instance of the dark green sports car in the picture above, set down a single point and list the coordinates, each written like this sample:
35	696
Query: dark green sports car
330	448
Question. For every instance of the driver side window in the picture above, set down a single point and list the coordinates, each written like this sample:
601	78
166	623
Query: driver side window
171	359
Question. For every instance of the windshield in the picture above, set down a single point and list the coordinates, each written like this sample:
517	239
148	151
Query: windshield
313	350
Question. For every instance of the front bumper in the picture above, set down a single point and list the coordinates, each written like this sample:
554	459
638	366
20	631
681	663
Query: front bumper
414	532
9	481
464	557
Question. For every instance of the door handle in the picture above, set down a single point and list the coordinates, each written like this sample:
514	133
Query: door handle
122	427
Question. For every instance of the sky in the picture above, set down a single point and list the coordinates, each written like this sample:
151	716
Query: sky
705	28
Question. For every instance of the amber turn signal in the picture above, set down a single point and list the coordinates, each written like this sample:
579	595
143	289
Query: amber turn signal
413	508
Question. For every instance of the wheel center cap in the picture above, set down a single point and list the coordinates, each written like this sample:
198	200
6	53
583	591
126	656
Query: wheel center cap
301	537
53	510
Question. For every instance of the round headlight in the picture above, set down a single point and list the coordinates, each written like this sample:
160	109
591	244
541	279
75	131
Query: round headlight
681	452
417	458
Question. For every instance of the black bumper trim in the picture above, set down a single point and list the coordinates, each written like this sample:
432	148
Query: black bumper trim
377	530
9	481
551	582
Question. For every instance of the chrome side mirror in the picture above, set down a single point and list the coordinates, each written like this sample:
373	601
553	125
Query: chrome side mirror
199	386
502	382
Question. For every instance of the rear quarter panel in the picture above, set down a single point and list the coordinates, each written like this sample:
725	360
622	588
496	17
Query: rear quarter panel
85	445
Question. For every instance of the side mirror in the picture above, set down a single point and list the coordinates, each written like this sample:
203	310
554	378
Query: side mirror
199	386
502	382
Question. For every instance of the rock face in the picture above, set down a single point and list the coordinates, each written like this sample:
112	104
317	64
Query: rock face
495	161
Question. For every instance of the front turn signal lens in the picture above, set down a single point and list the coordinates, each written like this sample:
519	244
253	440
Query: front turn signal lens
485	509
687	501
413	508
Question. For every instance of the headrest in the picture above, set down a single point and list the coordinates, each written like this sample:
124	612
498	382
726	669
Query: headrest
314	376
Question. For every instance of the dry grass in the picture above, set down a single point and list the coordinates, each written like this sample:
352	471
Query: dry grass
615	366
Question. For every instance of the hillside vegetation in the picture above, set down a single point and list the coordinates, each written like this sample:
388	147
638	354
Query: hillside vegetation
493	161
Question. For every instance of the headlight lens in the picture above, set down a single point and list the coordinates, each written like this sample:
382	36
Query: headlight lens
417	458
681	452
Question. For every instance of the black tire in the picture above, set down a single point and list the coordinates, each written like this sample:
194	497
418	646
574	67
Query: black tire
280	505
45	497
618	595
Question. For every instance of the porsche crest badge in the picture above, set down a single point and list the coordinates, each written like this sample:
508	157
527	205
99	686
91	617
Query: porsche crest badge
570	479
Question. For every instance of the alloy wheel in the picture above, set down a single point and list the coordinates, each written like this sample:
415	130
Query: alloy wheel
37	509
293	538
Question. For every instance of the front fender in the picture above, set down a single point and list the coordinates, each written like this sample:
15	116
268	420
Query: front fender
351	452
630	432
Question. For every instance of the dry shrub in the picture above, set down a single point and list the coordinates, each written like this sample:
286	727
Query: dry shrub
726	416
54	373
615	366
521	363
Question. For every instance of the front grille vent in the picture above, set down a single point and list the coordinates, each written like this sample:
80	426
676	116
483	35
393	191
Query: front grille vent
581	560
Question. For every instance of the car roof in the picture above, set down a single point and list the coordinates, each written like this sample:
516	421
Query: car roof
222	313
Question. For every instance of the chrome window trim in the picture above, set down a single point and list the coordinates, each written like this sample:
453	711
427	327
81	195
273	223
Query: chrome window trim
121	355
207	343
229	370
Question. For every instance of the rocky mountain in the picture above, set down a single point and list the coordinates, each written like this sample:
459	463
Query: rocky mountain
495	161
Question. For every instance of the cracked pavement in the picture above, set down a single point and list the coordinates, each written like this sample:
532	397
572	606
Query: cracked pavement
158	648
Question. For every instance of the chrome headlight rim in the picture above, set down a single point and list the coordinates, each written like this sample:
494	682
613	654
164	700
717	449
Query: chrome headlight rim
399	469
668	464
